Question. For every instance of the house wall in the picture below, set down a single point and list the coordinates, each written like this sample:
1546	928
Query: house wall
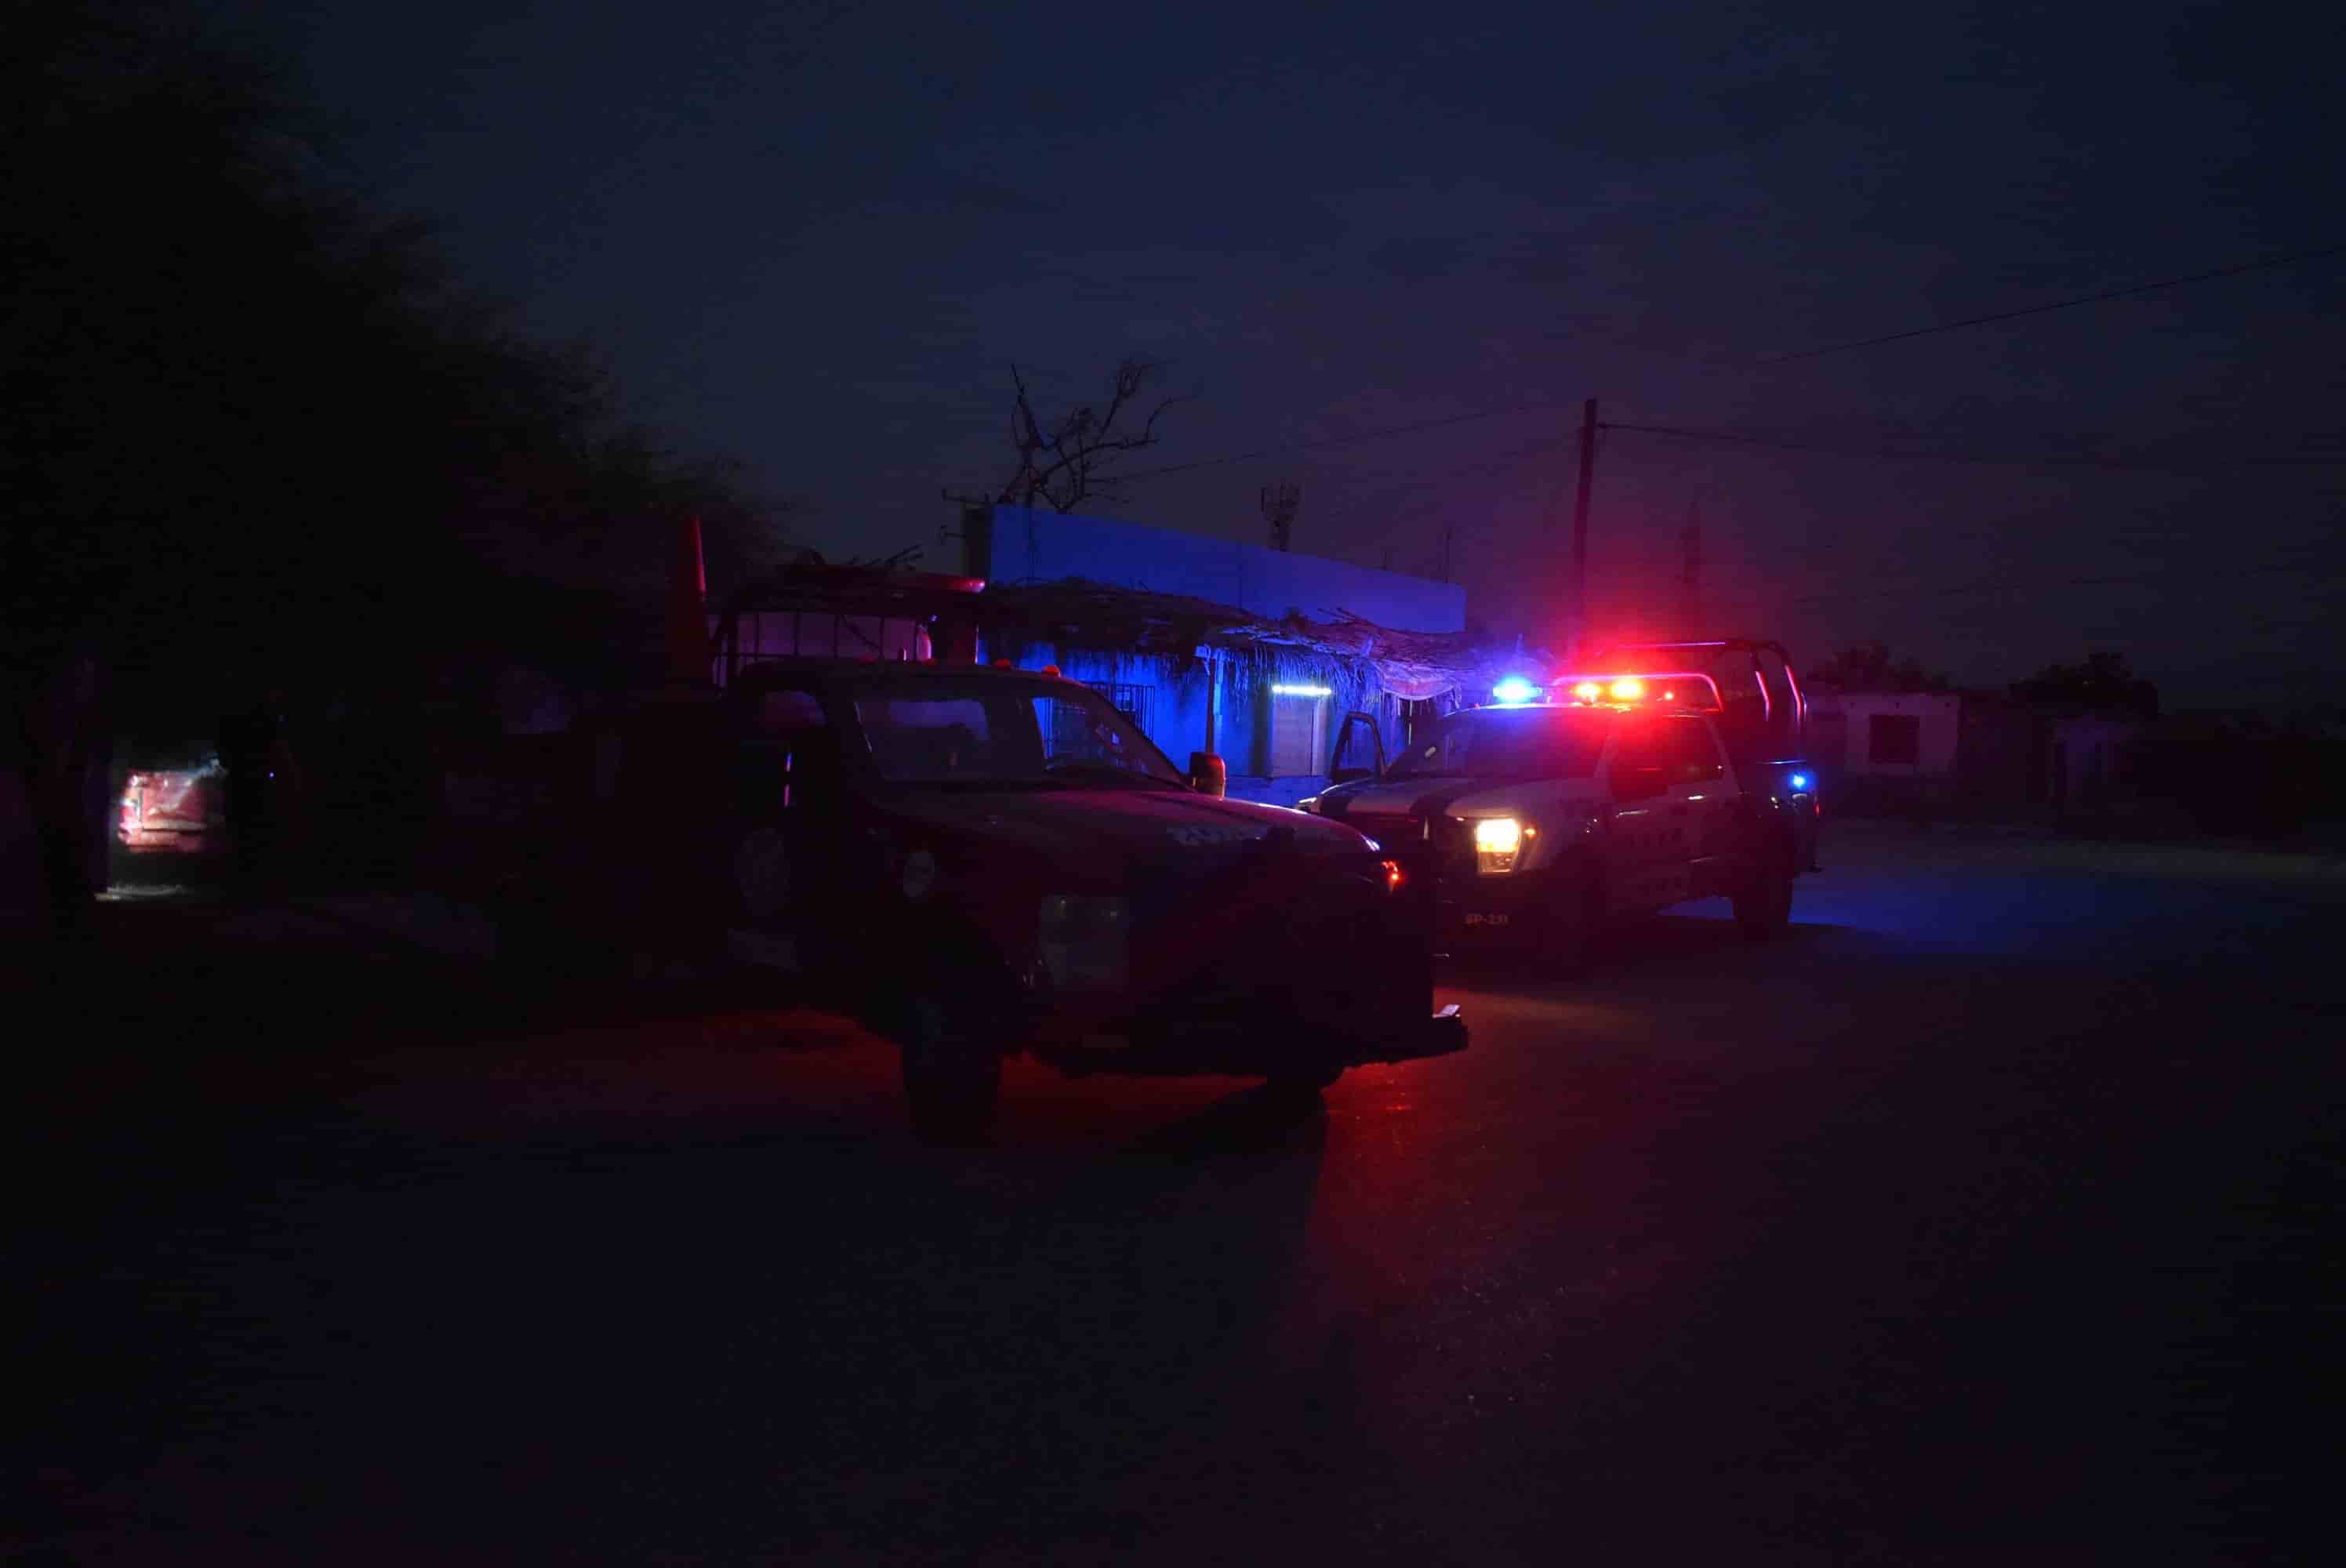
1175	710
1045	546
2089	761
1842	725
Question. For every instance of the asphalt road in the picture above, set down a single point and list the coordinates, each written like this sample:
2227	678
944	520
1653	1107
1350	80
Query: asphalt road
1989	1218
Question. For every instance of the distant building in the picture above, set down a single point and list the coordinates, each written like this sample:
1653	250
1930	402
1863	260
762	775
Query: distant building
1885	735
1968	752
1210	645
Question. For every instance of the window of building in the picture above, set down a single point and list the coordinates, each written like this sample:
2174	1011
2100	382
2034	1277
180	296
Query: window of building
1893	738
1299	729
1131	700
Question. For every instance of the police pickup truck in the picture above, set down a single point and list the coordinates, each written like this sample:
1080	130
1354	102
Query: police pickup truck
1558	808
980	861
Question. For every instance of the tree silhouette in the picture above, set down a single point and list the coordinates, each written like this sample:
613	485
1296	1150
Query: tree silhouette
1073	457
2103	683
1867	667
252	432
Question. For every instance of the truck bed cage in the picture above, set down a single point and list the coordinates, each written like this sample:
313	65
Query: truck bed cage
932	603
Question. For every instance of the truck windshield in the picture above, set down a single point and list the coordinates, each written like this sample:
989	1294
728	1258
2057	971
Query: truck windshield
1005	733
1510	743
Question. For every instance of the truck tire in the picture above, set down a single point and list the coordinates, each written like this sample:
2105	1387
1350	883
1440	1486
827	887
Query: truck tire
953	1079
1763	907
1300	1084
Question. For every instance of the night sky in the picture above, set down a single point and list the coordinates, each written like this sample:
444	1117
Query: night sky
815	237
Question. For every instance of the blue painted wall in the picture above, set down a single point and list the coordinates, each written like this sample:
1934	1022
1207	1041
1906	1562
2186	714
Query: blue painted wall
1048	546
1045	546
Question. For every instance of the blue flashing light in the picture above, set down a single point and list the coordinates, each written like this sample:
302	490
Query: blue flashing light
1798	780
1515	689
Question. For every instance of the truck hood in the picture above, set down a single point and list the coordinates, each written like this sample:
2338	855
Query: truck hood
1421	796
1099	834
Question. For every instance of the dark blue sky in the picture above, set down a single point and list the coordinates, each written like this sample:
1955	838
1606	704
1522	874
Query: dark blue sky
818	246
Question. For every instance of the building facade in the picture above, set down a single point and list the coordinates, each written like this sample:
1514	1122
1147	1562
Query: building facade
1259	656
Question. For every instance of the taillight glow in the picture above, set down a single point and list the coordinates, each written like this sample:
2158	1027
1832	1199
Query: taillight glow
1393	879
1588	691
1629	689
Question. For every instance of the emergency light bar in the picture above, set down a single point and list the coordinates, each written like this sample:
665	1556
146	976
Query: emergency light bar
1661	688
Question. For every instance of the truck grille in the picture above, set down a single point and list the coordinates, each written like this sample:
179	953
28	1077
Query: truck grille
1237	943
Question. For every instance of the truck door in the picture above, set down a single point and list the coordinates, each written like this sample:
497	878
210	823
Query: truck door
1359	750
1639	840
1701	805
786	812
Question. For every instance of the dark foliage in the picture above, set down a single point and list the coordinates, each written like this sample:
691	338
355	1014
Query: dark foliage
252	433
2102	684
1867	667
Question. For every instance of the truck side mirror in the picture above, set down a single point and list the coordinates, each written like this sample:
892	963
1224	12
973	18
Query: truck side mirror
1209	774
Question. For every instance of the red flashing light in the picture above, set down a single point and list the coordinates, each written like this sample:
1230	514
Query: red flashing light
1051	670
1630	688
1003	664
1588	691
1394	878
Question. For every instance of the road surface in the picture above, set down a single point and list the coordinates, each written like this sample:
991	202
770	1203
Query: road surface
1989	1218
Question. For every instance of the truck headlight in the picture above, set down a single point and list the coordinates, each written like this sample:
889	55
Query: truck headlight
1085	941
1496	840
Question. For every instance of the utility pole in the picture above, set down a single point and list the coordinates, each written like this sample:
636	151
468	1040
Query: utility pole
1280	502
1580	524
1690	574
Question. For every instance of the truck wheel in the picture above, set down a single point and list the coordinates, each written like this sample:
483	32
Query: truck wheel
1764	907
1302	1084
951	1081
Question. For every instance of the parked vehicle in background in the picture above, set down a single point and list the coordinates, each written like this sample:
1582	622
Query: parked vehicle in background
172	811
1542	816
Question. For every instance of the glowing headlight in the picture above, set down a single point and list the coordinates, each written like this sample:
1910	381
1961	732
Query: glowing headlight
1496	840
1085	941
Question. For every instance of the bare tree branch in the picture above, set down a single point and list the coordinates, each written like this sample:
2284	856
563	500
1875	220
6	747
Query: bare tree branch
1084	444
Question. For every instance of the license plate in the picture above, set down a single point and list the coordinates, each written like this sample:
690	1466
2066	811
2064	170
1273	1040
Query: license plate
1474	919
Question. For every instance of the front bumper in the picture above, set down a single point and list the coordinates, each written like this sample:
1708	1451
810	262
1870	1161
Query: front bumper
1283	965
1477	913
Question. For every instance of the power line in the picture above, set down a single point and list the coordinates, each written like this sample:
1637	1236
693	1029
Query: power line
2306	438
1421	426
2232	271
2195	570
1352	439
